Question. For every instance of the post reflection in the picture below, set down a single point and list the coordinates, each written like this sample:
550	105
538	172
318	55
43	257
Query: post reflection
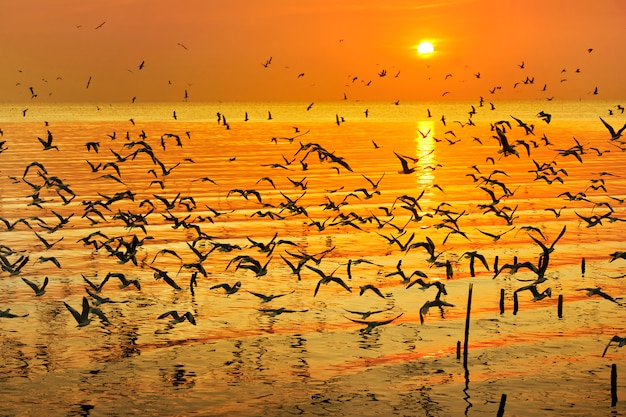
178	377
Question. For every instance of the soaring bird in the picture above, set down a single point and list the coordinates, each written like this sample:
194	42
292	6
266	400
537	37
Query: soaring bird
535	292
371	324
614	134
176	318
371	288
228	288
39	291
326	279
267	298
81	318
405	164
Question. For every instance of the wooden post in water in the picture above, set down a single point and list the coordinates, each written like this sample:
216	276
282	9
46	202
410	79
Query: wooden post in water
458	349
467	324
613	385
515	303
501	300
502	403
582	266
559	308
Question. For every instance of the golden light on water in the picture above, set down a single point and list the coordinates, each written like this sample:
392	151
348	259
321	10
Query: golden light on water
424	150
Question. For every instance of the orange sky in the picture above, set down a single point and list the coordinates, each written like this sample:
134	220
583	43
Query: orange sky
215	50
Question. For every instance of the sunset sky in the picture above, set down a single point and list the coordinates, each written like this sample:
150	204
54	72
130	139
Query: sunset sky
216	50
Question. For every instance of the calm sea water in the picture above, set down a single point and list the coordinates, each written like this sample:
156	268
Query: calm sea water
158	195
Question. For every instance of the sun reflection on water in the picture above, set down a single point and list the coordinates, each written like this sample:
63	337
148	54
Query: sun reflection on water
425	151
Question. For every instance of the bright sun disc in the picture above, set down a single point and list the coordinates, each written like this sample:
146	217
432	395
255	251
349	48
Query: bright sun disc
425	48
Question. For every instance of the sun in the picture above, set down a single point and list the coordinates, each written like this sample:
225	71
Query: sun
425	48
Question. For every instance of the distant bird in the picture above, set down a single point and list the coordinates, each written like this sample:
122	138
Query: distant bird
621	341
371	288
228	288
7	314
597	291
47	143
267	298
437	302
326	279
372	324
365	314
142	65
176	318
39	291
535	292
617	255
496	237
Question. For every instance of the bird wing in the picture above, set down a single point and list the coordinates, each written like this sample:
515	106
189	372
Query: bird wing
31	284
75	313
172	313
190	318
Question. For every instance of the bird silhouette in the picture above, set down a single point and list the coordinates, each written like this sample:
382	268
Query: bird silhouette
177	318
39	291
81	318
370	325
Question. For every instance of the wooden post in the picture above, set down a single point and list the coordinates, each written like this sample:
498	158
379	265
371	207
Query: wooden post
613	385
515	303
560	306
467	325
582	266
458	349
501	300
502	403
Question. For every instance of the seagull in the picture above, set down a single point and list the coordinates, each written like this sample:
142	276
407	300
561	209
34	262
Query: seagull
7	314
229	289
614	134
537	295
405	165
124	282
267	298
596	291
176	318
371	324
101	300
621	341
435	303
365	314
81	318
372	288
39	291
273	312
496	237
326	279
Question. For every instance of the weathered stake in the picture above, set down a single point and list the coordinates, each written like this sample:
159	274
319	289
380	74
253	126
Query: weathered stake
467	324
560	306
515	303
458	349
501	300
613	385
502	403
582	266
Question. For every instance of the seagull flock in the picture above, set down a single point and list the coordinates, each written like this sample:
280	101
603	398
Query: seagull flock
156	213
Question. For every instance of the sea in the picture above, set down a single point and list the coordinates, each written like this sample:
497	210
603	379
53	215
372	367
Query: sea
328	259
